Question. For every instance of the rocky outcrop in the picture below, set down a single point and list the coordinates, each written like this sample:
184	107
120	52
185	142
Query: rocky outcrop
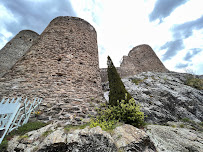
125	138
165	97
55	138
170	139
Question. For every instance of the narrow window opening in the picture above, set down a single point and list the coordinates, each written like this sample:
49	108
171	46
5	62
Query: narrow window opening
59	59
30	39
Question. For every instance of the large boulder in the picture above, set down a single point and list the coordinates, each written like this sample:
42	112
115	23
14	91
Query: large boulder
172	139
53	138
165	97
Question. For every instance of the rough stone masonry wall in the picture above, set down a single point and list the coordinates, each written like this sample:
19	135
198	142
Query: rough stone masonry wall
15	49
61	67
140	59
144	59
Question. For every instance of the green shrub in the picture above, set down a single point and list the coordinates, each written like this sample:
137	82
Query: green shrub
194	82
182	126
125	111
72	127
105	125
46	133
185	120
136	81
117	88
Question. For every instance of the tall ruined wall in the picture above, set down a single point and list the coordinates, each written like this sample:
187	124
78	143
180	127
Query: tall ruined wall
15	49
140	59
62	67
143	59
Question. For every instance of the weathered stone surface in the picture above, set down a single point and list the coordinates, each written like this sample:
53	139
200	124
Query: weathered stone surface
61	67
15	49
54	138
140	59
171	139
129	138
164	97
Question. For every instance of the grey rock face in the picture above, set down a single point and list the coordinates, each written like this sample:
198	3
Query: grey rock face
53	138
171	139
15	49
164	97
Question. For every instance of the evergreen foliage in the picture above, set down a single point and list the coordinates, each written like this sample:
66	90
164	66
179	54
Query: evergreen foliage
125	112
117	88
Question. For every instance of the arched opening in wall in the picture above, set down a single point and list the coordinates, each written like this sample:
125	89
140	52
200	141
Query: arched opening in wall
20	37
30	39
81	63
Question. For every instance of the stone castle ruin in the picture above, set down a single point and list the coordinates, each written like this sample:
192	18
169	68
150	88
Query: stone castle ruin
15	49
140	59
61	66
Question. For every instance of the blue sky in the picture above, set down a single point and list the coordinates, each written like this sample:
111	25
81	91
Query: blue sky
173	28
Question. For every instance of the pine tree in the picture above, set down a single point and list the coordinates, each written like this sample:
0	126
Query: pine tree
117	88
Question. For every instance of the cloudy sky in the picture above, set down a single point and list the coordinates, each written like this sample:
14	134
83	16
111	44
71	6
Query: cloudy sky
173	28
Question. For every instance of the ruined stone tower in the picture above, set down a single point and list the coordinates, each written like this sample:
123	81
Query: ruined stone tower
62	66
142	59
15	49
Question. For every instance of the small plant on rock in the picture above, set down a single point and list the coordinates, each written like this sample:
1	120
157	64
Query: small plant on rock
137	81
21	131
121	108
125	112
194	82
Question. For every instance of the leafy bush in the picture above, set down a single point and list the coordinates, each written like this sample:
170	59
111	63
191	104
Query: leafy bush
117	88
194	82
137	81
125	111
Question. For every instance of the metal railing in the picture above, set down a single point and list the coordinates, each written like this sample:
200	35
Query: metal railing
15	113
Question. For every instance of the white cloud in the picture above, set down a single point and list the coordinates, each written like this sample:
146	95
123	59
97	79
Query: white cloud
125	24
187	12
